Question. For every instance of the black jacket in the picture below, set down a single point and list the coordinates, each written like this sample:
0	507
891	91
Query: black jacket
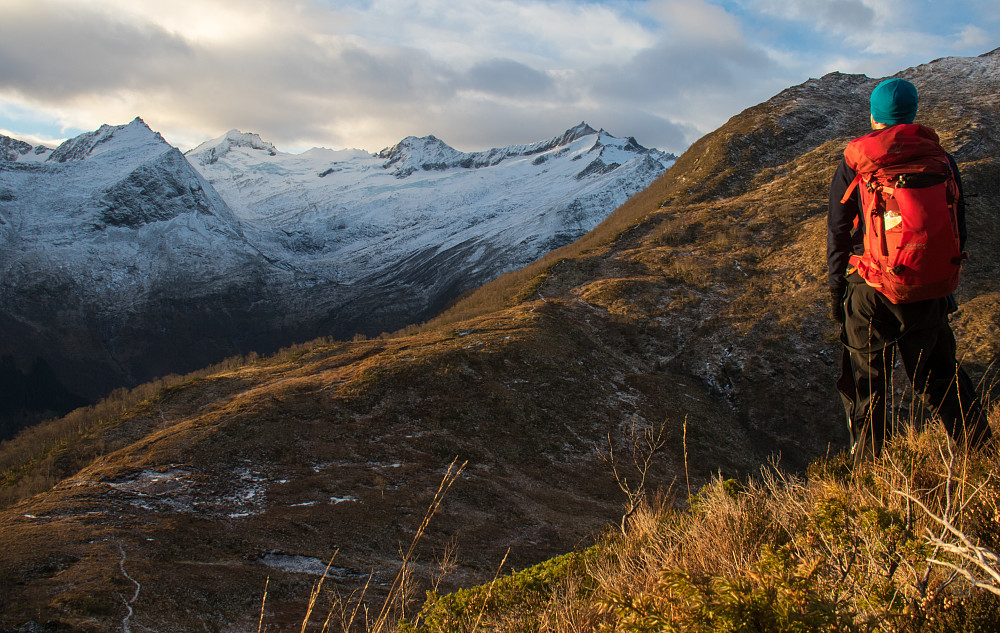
843	240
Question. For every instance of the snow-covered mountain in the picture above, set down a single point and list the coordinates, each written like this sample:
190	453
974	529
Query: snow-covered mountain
122	259
114	254
350	216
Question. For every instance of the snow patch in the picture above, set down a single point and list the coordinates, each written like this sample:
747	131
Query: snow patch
150	482
298	564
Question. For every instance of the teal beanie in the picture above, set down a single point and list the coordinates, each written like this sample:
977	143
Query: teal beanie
894	101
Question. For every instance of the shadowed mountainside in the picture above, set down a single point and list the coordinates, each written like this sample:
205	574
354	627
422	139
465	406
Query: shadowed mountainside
701	302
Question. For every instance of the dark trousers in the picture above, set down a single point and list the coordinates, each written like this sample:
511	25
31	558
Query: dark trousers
875	330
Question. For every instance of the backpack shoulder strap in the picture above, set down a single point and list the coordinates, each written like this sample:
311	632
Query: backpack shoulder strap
850	188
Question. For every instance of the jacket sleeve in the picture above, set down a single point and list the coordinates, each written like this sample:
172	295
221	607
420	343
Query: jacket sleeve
960	212
844	227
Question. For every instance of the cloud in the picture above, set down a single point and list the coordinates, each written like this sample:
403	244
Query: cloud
847	15
700	71
973	37
670	71
76	57
54	52
837	17
477	73
877	37
543	34
696	21
363	74
508	78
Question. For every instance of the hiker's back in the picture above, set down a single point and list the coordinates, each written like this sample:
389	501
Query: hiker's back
909	200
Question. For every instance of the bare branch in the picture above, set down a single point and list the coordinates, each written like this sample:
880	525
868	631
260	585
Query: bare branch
977	560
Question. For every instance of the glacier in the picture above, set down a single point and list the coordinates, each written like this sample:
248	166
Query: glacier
348	216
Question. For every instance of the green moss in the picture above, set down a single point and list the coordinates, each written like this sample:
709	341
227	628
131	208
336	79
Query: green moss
521	591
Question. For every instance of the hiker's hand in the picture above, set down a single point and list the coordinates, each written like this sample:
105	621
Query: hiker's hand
952	304
837	304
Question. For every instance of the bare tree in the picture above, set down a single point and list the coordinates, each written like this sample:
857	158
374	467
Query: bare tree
641	445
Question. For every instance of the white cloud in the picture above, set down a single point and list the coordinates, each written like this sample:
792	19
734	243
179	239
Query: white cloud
973	37
214	22
546	35
478	73
696	20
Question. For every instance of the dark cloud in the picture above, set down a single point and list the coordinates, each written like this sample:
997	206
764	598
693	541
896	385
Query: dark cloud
55	53
59	54
398	74
508	78
669	70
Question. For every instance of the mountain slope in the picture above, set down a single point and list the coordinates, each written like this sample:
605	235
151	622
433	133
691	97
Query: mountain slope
121	262
94	238
701	302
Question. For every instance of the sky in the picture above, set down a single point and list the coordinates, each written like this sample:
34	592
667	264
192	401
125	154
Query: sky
475	73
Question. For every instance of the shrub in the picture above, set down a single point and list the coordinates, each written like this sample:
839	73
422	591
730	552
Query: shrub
517	596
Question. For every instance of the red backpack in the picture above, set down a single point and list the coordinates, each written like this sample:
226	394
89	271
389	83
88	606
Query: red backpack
909	201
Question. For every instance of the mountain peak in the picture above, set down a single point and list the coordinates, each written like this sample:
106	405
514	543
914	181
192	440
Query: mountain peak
250	140
412	153
12	150
133	134
137	122
579	130
210	151
431	154
412	143
576	132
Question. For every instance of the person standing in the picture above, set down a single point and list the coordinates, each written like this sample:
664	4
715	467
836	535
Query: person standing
895	243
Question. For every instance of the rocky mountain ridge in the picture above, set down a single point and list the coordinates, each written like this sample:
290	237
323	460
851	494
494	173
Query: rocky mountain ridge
430	153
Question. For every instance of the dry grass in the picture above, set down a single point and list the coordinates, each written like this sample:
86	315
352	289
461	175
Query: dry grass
904	543
44	454
351	613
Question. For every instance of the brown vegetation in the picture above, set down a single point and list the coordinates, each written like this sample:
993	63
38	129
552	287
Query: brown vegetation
905	543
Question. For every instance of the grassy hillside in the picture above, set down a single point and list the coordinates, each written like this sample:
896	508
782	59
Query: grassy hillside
906	543
696	312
